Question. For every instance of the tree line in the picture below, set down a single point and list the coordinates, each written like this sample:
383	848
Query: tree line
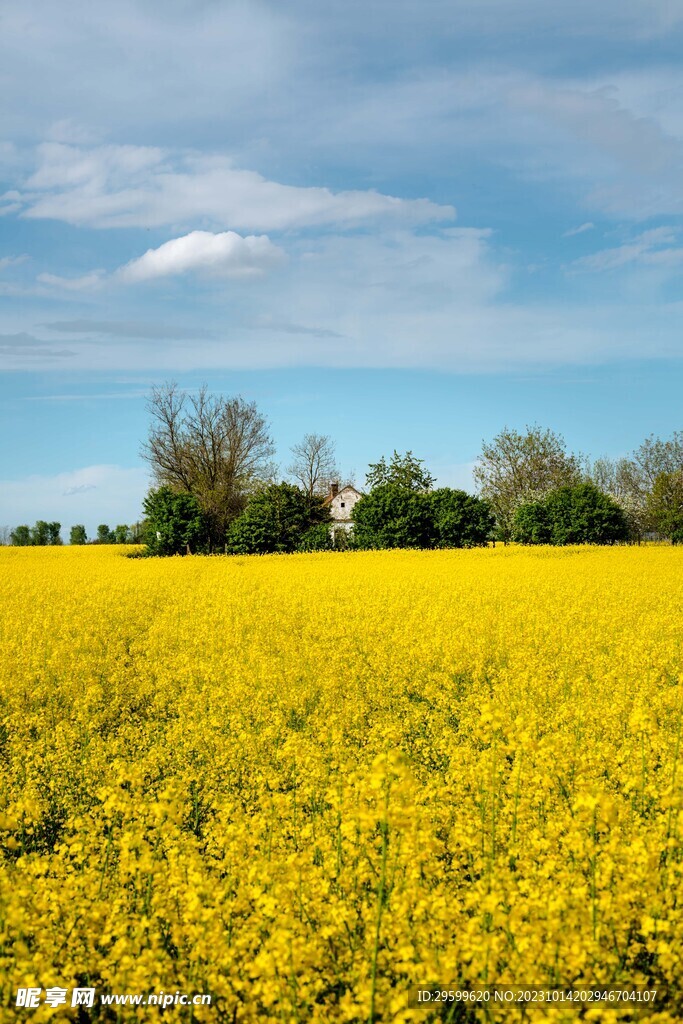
216	489
536	487
44	534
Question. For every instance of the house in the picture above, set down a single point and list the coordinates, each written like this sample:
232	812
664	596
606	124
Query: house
340	502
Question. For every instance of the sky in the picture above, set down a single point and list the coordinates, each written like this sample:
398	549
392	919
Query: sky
403	224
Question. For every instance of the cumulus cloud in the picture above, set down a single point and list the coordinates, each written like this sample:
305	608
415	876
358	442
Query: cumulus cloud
227	254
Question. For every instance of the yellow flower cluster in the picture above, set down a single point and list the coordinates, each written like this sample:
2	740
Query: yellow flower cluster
309	784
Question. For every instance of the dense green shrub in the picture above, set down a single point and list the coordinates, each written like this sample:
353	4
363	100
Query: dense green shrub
391	516
175	523
394	516
277	518
571	515
459	520
531	524
316	538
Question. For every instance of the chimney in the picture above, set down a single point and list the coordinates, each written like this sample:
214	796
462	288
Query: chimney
334	489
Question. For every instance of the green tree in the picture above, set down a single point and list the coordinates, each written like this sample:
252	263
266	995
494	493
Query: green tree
402	471
276	519
459	520
571	515
176	524
20	536
515	469
665	504
54	534
78	535
104	534
121	534
531	524
392	516
584	515
40	533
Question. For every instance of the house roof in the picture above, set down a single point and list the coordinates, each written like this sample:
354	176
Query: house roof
346	487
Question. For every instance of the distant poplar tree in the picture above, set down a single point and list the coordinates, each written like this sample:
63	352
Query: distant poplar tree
20	537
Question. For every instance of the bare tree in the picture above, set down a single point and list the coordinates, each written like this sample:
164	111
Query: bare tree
515	468
655	457
619	479
631	481
314	464
612	476
215	448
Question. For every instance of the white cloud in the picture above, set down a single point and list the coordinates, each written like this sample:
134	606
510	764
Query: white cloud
10	203
11	261
595	139
139	65
226	254
84	283
139	186
582	228
257	67
78	489
91	495
396	299
655	248
595	118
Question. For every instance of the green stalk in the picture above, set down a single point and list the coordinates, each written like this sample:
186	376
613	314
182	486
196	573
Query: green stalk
380	908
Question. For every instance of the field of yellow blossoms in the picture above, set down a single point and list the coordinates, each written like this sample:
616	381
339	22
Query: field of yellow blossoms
310	784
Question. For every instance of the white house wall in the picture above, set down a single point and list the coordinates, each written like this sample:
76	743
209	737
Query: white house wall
342	504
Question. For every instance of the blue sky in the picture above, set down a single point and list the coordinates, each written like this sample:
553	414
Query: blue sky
404	224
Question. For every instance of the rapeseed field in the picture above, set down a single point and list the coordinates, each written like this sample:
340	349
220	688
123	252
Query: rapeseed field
310	784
